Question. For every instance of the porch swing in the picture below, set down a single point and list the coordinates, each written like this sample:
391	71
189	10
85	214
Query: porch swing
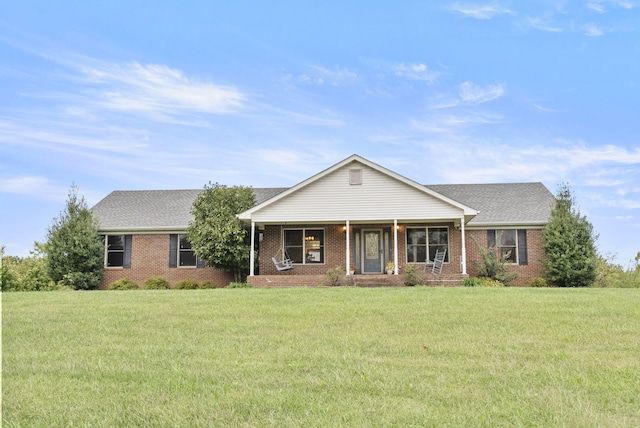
285	263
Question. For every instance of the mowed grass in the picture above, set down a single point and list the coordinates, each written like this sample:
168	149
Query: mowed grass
322	357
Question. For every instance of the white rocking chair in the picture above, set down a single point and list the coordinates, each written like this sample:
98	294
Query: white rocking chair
284	264
438	261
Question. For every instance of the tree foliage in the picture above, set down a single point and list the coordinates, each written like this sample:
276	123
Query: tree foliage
216	234
612	275
569	244
26	273
74	248
493	266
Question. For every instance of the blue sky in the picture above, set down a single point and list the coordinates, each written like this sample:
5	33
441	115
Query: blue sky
167	95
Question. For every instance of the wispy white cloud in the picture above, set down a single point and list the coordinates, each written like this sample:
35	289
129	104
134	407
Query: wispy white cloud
543	25
470	93
477	161
31	185
561	20
602	6
319	75
39	132
545	109
155	91
591	29
148	88
453	123
416	72
596	7
479	11
606	200
325	118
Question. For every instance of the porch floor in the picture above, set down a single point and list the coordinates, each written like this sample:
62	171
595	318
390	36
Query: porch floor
287	280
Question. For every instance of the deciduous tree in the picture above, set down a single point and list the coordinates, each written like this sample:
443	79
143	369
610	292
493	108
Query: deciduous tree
216	234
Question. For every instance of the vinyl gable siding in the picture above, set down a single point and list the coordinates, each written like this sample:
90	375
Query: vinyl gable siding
334	198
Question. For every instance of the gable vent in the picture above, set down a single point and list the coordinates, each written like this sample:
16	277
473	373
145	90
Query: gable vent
355	176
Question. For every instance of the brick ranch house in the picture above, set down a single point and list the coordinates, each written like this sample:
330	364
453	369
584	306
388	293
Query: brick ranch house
355	214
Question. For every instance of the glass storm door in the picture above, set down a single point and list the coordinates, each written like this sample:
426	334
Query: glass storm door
372	251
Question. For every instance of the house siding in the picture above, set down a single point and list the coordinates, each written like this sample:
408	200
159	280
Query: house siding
150	258
334	199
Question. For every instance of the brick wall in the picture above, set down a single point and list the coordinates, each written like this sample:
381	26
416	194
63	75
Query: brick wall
535	255
150	258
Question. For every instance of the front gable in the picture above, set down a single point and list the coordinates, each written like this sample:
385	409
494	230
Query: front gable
359	191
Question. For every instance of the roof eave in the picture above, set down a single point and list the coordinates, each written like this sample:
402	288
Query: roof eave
495	224
142	230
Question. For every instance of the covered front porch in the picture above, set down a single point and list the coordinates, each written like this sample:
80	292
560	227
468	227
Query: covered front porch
368	252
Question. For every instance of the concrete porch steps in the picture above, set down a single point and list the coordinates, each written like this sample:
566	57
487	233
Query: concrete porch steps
376	280
444	280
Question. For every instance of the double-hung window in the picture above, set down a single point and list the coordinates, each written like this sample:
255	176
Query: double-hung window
180	252
186	256
423	242
506	245
117	250
510	244
305	246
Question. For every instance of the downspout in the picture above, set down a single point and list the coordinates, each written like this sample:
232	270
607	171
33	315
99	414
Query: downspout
348	252
464	247
252	251
395	246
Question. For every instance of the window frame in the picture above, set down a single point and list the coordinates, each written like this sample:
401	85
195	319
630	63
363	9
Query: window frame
427	244
125	251
180	250
514	248
303	245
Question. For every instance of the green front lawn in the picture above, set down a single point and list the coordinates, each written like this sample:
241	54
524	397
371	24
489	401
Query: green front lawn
322	357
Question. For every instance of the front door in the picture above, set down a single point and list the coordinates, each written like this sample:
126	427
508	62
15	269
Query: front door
372	251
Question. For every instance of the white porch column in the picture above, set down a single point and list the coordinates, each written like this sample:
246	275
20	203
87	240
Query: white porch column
252	252
464	247
395	246
348	252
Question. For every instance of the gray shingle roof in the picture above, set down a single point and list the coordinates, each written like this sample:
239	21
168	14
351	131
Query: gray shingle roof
502	203
154	209
498	204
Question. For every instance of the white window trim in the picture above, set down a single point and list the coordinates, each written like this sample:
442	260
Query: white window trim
426	228
304	249
179	251
517	248
106	250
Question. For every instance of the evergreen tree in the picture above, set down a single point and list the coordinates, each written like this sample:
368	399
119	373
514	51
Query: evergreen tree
216	234
74	248
569	244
